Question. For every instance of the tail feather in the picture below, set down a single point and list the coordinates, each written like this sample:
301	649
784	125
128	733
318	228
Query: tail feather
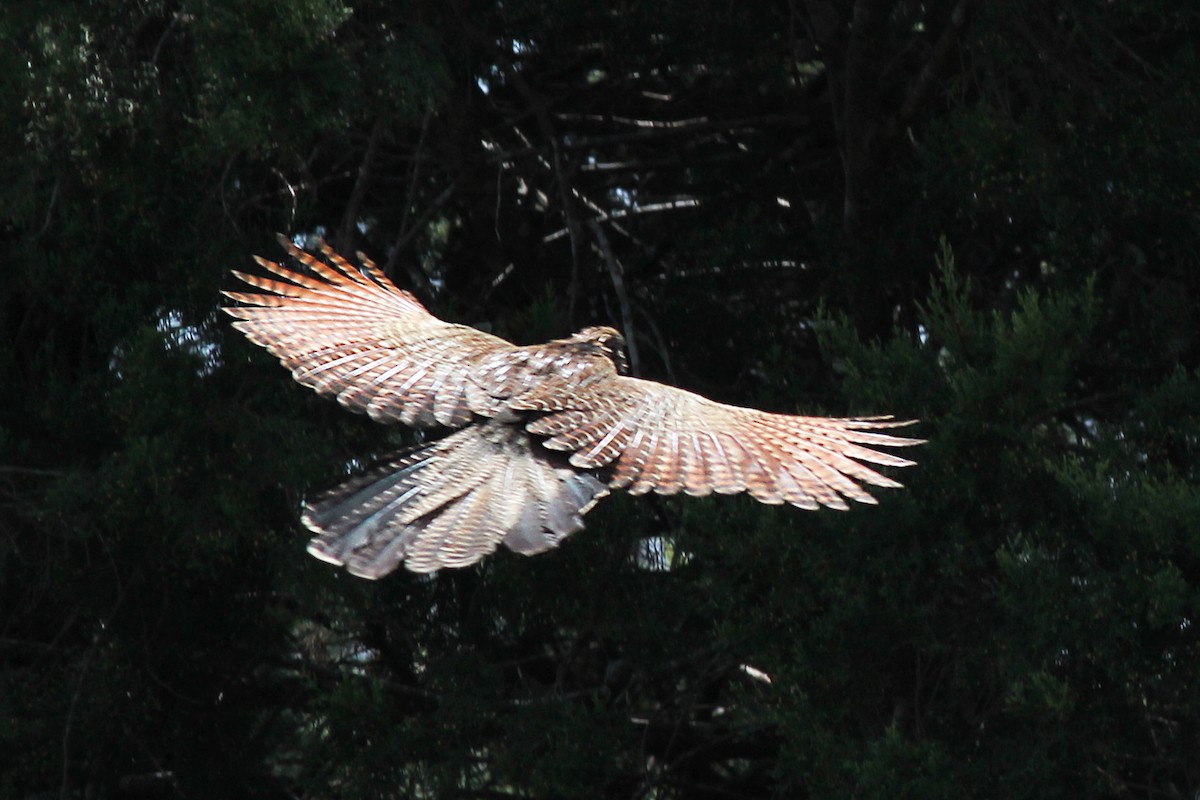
450	503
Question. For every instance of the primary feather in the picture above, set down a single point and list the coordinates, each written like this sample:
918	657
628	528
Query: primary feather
545	431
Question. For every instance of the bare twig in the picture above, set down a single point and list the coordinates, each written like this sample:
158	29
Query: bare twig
292	192
669	205
542	115
411	194
65	787
176	18
359	191
50	473
50	208
941	51
618	280
648	134
420	279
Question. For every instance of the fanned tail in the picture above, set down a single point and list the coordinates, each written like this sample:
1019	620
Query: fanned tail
449	503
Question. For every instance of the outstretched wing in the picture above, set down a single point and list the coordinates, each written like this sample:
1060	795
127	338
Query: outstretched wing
355	335
646	436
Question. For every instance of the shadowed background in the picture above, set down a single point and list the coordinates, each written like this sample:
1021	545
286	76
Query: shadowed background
982	215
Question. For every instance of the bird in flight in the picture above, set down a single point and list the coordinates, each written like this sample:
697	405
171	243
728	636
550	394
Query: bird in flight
541	433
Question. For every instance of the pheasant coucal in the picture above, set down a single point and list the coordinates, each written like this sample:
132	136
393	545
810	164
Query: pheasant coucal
544	431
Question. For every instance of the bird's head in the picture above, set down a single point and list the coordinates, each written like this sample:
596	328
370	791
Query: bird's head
607	341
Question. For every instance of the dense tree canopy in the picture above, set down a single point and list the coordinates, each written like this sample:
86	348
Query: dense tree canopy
983	215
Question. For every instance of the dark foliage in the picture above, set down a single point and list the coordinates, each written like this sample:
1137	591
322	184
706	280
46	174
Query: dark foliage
983	215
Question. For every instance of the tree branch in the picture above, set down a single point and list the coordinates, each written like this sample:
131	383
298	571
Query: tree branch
542	115
343	241
618	281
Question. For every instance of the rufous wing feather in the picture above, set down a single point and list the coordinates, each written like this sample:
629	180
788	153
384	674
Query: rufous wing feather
353	334
650	437
546	430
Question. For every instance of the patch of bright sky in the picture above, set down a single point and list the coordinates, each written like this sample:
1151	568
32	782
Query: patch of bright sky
189	338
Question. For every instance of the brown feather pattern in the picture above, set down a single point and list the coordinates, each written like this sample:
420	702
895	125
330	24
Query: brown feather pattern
545	431
451	503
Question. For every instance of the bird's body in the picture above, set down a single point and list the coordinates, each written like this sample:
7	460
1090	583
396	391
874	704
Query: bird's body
545	431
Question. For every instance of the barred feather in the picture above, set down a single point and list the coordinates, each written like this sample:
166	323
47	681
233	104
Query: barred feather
360	338
546	431
450	503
